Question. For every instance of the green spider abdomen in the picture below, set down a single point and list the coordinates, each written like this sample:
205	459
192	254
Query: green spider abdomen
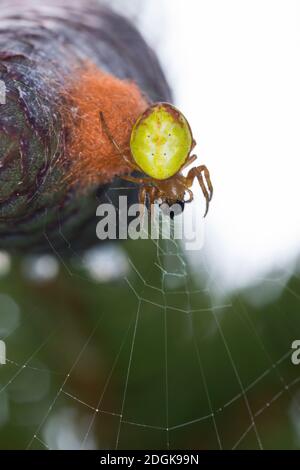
161	140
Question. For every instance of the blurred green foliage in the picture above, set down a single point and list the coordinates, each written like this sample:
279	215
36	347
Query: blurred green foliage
164	362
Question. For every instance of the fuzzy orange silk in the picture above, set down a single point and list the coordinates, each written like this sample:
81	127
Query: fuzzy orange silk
93	157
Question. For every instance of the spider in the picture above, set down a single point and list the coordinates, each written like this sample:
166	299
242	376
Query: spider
160	146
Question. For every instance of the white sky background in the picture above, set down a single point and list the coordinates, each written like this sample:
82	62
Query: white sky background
234	66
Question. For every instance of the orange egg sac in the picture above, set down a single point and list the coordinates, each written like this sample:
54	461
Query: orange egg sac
92	157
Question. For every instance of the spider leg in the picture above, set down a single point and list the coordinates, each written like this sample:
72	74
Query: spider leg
149	191
191	196
190	160
144	191
142	200
196	172
208	181
130	163
152	193
115	144
107	131
134	179
142	195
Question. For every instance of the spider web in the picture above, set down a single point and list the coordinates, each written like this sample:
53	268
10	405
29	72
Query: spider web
168	364
157	359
